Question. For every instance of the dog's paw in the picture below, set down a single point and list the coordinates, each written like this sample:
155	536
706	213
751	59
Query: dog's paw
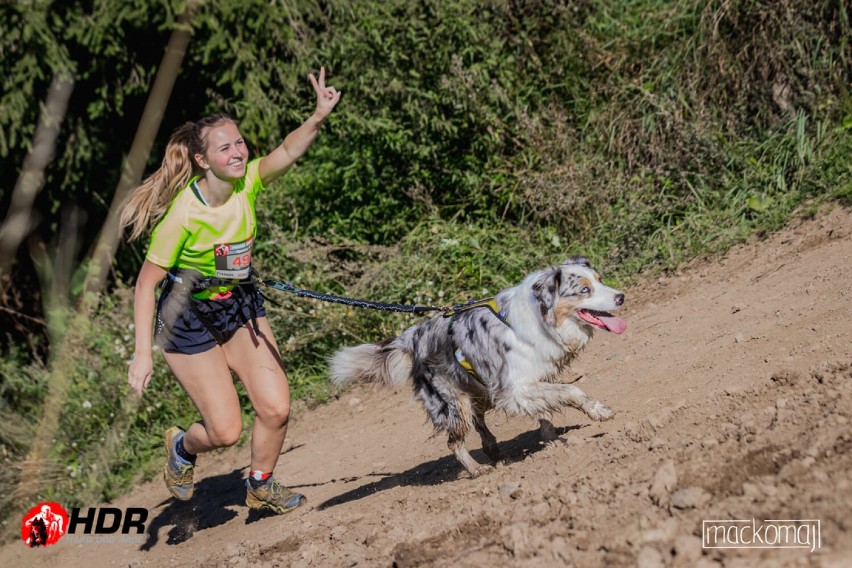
559	443
481	470
596	410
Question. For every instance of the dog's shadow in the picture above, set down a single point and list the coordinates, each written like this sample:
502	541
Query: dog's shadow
447	468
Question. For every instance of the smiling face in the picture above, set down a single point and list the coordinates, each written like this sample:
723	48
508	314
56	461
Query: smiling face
574	290
225	154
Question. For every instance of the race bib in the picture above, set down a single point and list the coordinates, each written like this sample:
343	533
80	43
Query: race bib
233	260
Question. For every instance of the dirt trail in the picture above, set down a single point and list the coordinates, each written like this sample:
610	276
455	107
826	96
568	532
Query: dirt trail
733	394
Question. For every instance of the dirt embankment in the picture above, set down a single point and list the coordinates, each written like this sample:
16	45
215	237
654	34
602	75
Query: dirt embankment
733	393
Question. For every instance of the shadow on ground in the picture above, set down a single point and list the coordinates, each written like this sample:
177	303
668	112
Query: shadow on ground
444	469
218	498
211	506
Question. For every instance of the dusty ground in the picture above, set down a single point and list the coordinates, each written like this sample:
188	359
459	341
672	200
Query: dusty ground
733	393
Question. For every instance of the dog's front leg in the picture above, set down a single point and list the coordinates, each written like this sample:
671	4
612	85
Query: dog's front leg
542	398
594	409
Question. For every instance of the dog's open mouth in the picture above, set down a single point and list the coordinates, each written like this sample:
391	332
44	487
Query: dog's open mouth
603	320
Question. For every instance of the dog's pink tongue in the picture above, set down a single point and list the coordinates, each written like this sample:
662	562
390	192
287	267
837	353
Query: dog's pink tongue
612	323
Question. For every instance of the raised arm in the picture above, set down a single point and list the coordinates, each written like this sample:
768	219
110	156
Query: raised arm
297	142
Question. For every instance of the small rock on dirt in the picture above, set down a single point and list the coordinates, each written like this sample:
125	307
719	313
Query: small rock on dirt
786	377
650	558
687	548
337	532
689	498
664	481
663	532
510	489
516	537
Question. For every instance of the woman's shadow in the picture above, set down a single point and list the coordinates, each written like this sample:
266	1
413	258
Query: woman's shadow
215	502
212	505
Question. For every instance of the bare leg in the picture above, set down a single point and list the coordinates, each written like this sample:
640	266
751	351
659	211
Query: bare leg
256	361
207	380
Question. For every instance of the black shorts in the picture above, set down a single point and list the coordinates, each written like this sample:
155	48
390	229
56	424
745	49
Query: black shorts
188	325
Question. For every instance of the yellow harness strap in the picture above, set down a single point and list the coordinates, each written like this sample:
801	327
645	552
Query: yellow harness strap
466	364
489	303
492	305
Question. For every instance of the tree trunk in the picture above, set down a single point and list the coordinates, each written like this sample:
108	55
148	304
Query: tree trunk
63	360
19	221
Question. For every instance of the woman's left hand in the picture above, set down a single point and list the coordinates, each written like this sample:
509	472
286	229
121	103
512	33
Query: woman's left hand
327	96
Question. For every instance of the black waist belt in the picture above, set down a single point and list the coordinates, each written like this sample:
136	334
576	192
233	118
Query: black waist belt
197	282
193	282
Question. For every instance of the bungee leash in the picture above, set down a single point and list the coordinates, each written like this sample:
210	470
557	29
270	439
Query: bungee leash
448	311
384	306
196	282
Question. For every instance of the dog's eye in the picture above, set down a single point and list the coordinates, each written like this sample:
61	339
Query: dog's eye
585	290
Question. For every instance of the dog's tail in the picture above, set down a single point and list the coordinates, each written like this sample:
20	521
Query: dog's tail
372	362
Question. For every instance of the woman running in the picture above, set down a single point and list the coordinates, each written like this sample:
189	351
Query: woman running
210	318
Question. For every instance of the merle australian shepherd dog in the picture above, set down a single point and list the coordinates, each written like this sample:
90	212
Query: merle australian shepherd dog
507	354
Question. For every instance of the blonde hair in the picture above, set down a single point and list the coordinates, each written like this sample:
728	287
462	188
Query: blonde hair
149	201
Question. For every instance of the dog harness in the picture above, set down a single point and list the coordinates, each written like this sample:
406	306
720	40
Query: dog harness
494	308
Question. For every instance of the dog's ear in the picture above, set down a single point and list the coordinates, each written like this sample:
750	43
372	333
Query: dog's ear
546	292
581	260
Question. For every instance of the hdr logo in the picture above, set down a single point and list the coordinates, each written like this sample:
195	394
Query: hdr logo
46	523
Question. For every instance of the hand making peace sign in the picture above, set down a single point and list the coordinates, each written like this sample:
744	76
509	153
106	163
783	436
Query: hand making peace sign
327	96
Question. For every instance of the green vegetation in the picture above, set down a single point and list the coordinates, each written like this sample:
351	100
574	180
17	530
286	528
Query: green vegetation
475	141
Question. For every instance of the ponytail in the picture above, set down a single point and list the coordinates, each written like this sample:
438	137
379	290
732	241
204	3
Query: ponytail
150	200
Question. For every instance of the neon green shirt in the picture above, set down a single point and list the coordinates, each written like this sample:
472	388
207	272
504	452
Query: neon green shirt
215	241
